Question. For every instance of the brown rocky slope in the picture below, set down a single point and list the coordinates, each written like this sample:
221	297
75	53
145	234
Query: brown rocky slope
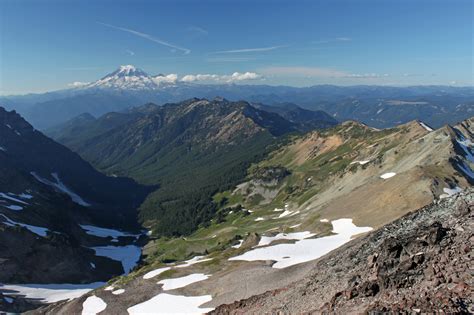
421	262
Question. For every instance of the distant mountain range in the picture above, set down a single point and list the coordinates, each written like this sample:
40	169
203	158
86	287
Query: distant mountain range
377	106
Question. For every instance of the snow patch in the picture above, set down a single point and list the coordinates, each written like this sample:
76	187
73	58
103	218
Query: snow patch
259	219
11	197
41	231
176	283
119	291
266	240
155	272
450	192
194	260
388	175
305	250
422	124
93	305
360	162
238	245
50	293
61	187
172	304
13	207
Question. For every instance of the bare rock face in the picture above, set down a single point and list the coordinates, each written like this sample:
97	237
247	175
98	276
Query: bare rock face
419	263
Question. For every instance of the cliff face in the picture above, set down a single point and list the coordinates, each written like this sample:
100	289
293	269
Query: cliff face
418	263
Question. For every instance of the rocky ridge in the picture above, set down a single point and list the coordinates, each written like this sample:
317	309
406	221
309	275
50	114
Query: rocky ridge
418	263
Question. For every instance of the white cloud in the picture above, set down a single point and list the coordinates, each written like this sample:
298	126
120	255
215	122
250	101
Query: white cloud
234	77
78	84
149	37
247	50
170	78
131	53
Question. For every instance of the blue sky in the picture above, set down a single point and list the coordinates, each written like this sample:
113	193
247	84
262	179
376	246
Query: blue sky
45	45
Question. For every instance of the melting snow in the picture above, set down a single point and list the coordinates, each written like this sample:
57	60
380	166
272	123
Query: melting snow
155	272
450	192
8	299
61	187
266	240
388	175
194	260
129	255
109	288
176	283
13	207
172	304
41	231
278	209
306	249
324	220
465	144
93	305
259	219
9	197
285	213
422	124
361	162
50	293
119	291
238	245
466	170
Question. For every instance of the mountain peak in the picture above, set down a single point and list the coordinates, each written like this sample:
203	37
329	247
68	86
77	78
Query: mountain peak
128	71
126	77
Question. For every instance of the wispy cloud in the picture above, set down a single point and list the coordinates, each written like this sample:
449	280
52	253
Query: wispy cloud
332	40
148	37
304	71
131	53
230	59
316	72
248	50
197	30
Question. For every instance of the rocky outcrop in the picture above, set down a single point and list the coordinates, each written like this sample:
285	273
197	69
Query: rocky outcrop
419	263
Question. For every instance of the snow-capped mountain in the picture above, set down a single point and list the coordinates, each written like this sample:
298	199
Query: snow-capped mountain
129	77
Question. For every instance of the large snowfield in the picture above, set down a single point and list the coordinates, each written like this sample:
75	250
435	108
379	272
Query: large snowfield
304	249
